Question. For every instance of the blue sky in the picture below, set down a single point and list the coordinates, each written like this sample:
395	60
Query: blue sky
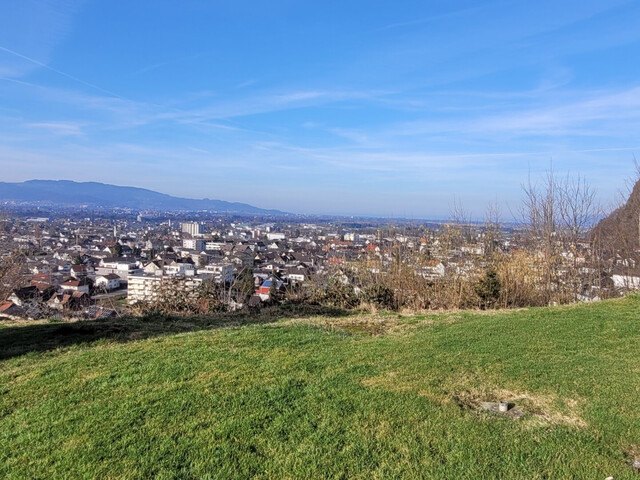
334	107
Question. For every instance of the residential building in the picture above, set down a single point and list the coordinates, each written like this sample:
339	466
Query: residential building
193	244
75	286
276	236
123	267
220	272
148	288
108	282
192	228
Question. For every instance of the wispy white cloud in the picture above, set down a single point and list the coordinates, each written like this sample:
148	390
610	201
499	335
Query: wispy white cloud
168	62
58	128
269	102
33	28
150	68
59	72
199	150
613	113
433	18
246	83
577	118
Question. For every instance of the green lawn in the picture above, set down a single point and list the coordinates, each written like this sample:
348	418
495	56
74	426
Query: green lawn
325	397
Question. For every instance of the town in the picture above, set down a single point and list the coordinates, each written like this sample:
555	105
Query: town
124	262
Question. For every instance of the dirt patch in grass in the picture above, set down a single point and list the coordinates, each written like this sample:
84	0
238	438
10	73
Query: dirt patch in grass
538	409
361	325
471	311
391	381
632	453
535	409
399	382
88	375
373	324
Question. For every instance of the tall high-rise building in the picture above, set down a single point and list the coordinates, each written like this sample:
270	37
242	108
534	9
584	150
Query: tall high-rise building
192	228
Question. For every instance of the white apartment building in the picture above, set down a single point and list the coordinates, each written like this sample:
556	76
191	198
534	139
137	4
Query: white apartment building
628	282
123	267
220	272
180	270
147	288
193	244
192	228
143	288
213	245
276	236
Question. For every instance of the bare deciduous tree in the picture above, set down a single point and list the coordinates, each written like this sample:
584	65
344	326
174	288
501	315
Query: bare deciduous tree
10	279
492	228
559	214
577	207
540	214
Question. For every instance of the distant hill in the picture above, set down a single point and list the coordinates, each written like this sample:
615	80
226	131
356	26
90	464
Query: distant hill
620	231
69	193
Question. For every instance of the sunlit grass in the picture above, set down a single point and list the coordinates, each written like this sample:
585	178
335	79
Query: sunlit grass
318	397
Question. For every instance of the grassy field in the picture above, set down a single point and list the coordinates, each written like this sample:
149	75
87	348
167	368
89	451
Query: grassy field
325	395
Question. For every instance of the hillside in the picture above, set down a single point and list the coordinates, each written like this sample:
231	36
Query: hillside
69	193
324	395
620	231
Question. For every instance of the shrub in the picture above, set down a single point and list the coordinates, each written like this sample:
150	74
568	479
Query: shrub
380	295
488	288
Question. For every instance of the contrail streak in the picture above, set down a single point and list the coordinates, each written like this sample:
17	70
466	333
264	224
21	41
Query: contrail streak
60	72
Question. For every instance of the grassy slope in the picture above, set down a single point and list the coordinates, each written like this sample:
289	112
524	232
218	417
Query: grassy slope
322	398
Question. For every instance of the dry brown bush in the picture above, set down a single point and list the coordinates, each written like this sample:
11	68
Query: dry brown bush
521	276
10	279
173	297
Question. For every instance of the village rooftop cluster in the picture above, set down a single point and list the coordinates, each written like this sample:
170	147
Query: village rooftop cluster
98	267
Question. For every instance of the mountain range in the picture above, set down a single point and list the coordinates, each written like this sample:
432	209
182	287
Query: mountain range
93	194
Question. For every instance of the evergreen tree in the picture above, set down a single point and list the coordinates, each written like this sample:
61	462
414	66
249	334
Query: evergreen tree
488	288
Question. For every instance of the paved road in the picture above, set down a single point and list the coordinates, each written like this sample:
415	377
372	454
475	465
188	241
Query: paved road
115	294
